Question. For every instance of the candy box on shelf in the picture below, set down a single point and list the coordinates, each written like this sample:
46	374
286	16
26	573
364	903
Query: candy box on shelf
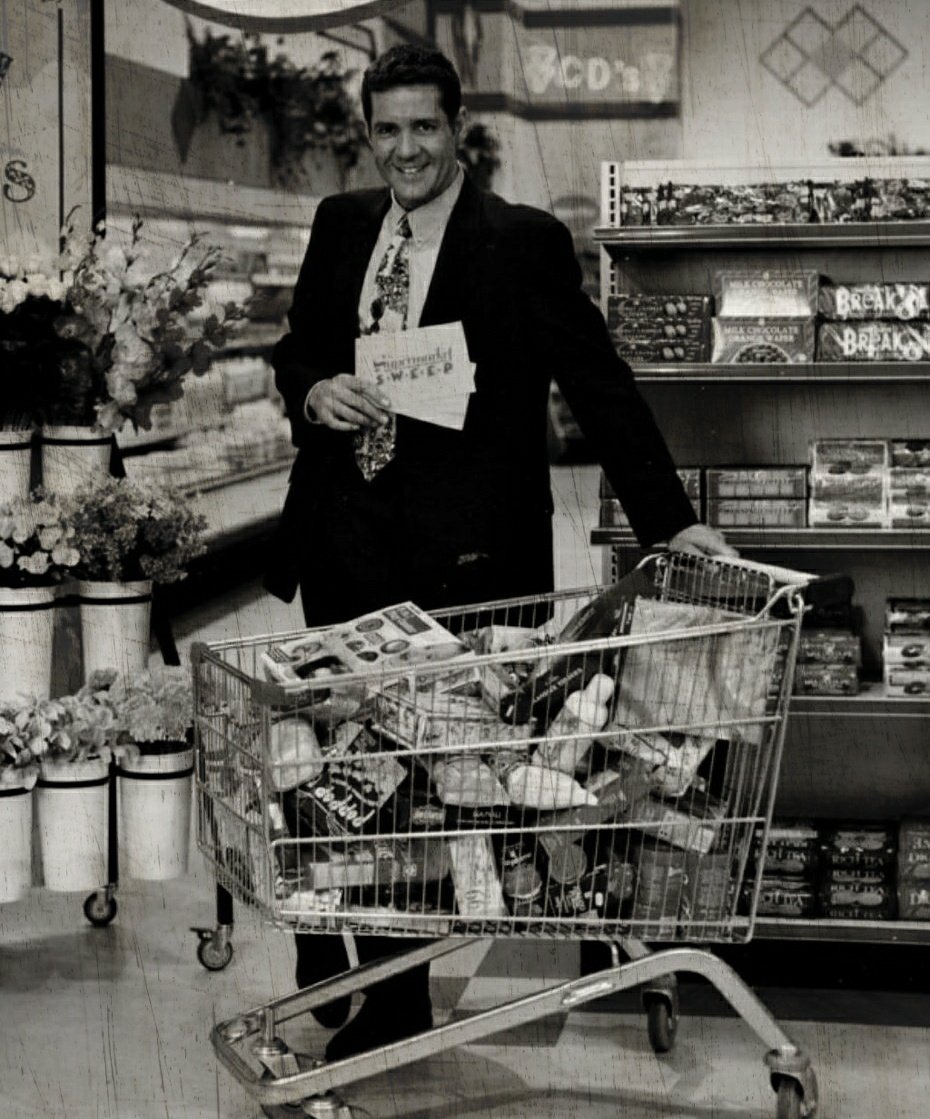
757	482
910	453
907	615
641	308
826	679
902	681
829	646
906	649
757	513
895	301
874	341
761	340
914	851
788	294
909	510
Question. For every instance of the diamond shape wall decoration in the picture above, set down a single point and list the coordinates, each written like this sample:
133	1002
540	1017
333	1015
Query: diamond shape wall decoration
854	55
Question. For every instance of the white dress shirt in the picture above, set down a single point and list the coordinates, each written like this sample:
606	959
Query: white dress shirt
427	228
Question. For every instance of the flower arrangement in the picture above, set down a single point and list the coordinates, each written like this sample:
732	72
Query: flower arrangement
126	530
154	706
37	545
307	107
108	334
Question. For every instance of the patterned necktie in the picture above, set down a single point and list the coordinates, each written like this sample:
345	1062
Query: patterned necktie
374	447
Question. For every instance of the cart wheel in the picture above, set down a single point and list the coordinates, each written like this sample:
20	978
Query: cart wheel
214	956
99	909
790	1099
662	1025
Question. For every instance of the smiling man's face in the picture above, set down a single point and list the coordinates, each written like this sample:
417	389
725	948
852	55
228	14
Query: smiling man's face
413	142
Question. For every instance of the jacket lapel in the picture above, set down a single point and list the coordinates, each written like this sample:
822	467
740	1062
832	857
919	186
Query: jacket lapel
359	244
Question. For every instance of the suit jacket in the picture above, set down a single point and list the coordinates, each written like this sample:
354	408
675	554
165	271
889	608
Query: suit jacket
509	274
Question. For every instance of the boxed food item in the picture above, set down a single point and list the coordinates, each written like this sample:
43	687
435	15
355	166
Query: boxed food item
874	341
906	650
789	294
761	513
829	646
474	872
849	456
909	510
914	851
900	302
884	912
692	824
910	453
826	679
859	838
690	478
765	341
660	328
907	615
900	681
757	482
790	850
640	307
783	897
913	901
658	350
849	483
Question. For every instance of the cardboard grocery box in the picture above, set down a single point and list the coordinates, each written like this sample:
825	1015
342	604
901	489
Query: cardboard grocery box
763	341
786	294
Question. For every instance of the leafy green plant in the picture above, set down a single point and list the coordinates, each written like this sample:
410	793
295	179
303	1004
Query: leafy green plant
156	705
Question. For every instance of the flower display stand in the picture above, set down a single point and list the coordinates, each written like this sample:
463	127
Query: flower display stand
73	457
27	630
73	812
154	818
115	625
15	842
15	465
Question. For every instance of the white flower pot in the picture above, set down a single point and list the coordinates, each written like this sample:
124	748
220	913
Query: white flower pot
27	628
73	457
154	797
115	625
15	842
71	802
15	465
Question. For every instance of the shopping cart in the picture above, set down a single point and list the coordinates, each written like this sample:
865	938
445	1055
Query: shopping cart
470	796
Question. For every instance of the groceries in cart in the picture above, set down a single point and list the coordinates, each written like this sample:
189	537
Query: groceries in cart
568	762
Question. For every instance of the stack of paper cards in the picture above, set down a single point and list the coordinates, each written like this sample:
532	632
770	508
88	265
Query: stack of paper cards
425	373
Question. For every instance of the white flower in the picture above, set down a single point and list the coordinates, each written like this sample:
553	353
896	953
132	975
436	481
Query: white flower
49	537
38	284
65	556
7	555
35	565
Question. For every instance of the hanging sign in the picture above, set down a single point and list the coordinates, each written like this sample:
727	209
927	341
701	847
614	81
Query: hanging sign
289	15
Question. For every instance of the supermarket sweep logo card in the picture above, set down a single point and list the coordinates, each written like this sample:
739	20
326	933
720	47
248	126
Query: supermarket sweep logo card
425	373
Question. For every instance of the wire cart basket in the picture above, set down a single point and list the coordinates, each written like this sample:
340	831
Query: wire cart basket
584	765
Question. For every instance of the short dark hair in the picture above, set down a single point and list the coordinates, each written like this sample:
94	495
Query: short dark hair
411	65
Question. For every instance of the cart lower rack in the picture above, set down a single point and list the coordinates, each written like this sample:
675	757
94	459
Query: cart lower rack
575	765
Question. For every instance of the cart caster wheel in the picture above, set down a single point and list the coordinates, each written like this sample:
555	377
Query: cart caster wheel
214	956
100	910
790	1100
662	1025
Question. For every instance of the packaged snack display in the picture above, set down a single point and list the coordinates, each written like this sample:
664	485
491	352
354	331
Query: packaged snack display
909	454
756	482
829	646
899	302
789	294
849	483
906	681
791	850
640	308
766	341
826	679
907	615
757	513
907	650
873	341
784	897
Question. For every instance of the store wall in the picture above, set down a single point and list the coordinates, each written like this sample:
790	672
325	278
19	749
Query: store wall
776	81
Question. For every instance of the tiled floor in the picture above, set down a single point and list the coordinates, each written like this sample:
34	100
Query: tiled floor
114	1023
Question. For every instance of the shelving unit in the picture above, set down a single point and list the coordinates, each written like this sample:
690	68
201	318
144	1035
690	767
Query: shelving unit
858	757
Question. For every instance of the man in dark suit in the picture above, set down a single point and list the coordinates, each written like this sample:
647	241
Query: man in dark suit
382	508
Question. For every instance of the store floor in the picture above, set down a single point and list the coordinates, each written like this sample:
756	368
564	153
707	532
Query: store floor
114	1023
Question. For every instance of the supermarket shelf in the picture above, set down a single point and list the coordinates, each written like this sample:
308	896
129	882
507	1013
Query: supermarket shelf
240	505
871	702
856	235
828	372
797	539
864	932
